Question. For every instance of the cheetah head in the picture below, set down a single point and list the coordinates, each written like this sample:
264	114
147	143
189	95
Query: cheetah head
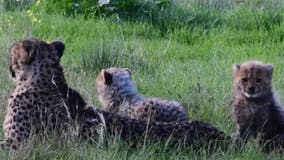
31	57
253	78
114	85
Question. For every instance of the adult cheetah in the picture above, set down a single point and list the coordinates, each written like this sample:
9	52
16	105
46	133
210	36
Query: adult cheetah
36	107
188	134
117	93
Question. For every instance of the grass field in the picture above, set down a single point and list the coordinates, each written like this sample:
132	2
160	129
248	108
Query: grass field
185	54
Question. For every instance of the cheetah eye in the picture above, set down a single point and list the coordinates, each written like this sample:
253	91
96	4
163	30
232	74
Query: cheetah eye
258	80
244	80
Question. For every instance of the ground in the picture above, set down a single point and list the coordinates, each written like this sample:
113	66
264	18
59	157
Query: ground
190	63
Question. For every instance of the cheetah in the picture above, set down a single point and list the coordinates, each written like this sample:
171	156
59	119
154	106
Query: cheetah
132	130
257	112
188	134
117	93
77	106
37	104
35	107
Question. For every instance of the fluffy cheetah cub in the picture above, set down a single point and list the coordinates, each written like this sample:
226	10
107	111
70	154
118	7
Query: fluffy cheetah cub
255	108
117	93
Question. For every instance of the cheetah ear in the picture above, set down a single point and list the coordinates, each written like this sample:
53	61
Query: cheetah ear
236	67
59	47
269	68
129	72
108	77
30	53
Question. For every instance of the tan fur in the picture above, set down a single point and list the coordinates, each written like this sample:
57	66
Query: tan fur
256	112
36	106
117	93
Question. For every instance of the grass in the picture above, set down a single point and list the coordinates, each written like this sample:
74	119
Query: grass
182	53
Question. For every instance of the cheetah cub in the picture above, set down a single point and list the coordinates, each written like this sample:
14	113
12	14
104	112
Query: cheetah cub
117	93
255	108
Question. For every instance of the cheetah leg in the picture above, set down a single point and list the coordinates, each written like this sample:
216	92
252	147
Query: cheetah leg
241	137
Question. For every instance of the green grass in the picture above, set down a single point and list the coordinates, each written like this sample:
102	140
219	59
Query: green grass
183	54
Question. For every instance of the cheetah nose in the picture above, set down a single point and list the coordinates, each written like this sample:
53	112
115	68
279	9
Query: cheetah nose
251	90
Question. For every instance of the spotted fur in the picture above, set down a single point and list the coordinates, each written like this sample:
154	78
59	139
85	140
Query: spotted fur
185	134
117	93
35	107
256	111
26	116
77	106
96	123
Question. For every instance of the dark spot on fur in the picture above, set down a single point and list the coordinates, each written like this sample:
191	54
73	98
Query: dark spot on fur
21	129
19	120
29	106
9	140
14	147
13	134
26	124
25	117
19	138
146	109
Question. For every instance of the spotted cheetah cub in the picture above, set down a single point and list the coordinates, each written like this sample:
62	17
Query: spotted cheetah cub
255	108
117	93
